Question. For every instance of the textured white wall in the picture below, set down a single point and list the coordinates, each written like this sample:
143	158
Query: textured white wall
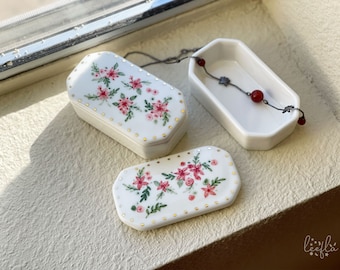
312	29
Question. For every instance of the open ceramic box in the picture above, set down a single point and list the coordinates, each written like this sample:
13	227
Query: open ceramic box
255	126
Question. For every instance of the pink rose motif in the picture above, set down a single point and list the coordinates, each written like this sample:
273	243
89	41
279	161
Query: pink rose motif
189	182
209	190
159	108
112	74
148	176
102	93
182	173
163	186
196	169
139	182
214	162
124	105
140	209
149	116
152	91
191	197
135	84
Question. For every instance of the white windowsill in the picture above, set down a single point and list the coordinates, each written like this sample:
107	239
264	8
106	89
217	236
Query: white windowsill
56	171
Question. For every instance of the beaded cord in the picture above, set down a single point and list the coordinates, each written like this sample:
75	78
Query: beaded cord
256	95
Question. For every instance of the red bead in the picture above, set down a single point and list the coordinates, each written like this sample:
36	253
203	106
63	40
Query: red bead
302	120
200	62
256	96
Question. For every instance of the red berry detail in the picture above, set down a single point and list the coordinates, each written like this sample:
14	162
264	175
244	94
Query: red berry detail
256	96
200	62
302	120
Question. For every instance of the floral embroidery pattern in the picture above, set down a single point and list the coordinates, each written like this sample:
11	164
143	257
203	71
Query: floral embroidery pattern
154	109
157	110
136	84
126	105
102	94
187	178
105	75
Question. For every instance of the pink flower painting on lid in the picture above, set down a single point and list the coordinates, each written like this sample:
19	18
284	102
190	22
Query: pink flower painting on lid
140	182
102	93
128	102
158	110
126	106
208	190
186	179
135	84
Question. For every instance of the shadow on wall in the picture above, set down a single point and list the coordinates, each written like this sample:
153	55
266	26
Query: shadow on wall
304	31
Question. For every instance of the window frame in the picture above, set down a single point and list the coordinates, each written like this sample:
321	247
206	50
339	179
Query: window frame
90	33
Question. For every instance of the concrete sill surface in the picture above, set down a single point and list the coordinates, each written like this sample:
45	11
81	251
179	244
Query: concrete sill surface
57	172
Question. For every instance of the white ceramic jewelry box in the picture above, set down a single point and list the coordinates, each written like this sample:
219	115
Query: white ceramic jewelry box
127	103
255	126
175	188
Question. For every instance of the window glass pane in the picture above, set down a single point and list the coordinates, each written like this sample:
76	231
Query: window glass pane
52	17
53	29
11	9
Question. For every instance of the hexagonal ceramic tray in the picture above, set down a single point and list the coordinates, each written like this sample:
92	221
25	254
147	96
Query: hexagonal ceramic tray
254	125
175	188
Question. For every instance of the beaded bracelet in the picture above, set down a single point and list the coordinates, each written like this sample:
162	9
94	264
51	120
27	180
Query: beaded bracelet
256	95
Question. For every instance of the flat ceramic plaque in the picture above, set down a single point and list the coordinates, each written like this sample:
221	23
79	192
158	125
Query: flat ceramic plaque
175	188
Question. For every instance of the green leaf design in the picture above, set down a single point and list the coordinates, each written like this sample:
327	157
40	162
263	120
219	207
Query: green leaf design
196	159
160	196
180	183
156	183
115	66
217	181
131	188
92	97
126	84
145	194
133	97
154	208
94	68
113	92
206	166
166	100
166	118
140	172
105	80
169	176
148	105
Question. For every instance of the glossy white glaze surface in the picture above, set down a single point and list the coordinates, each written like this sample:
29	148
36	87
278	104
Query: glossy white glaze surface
128	103
255	126
175	188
